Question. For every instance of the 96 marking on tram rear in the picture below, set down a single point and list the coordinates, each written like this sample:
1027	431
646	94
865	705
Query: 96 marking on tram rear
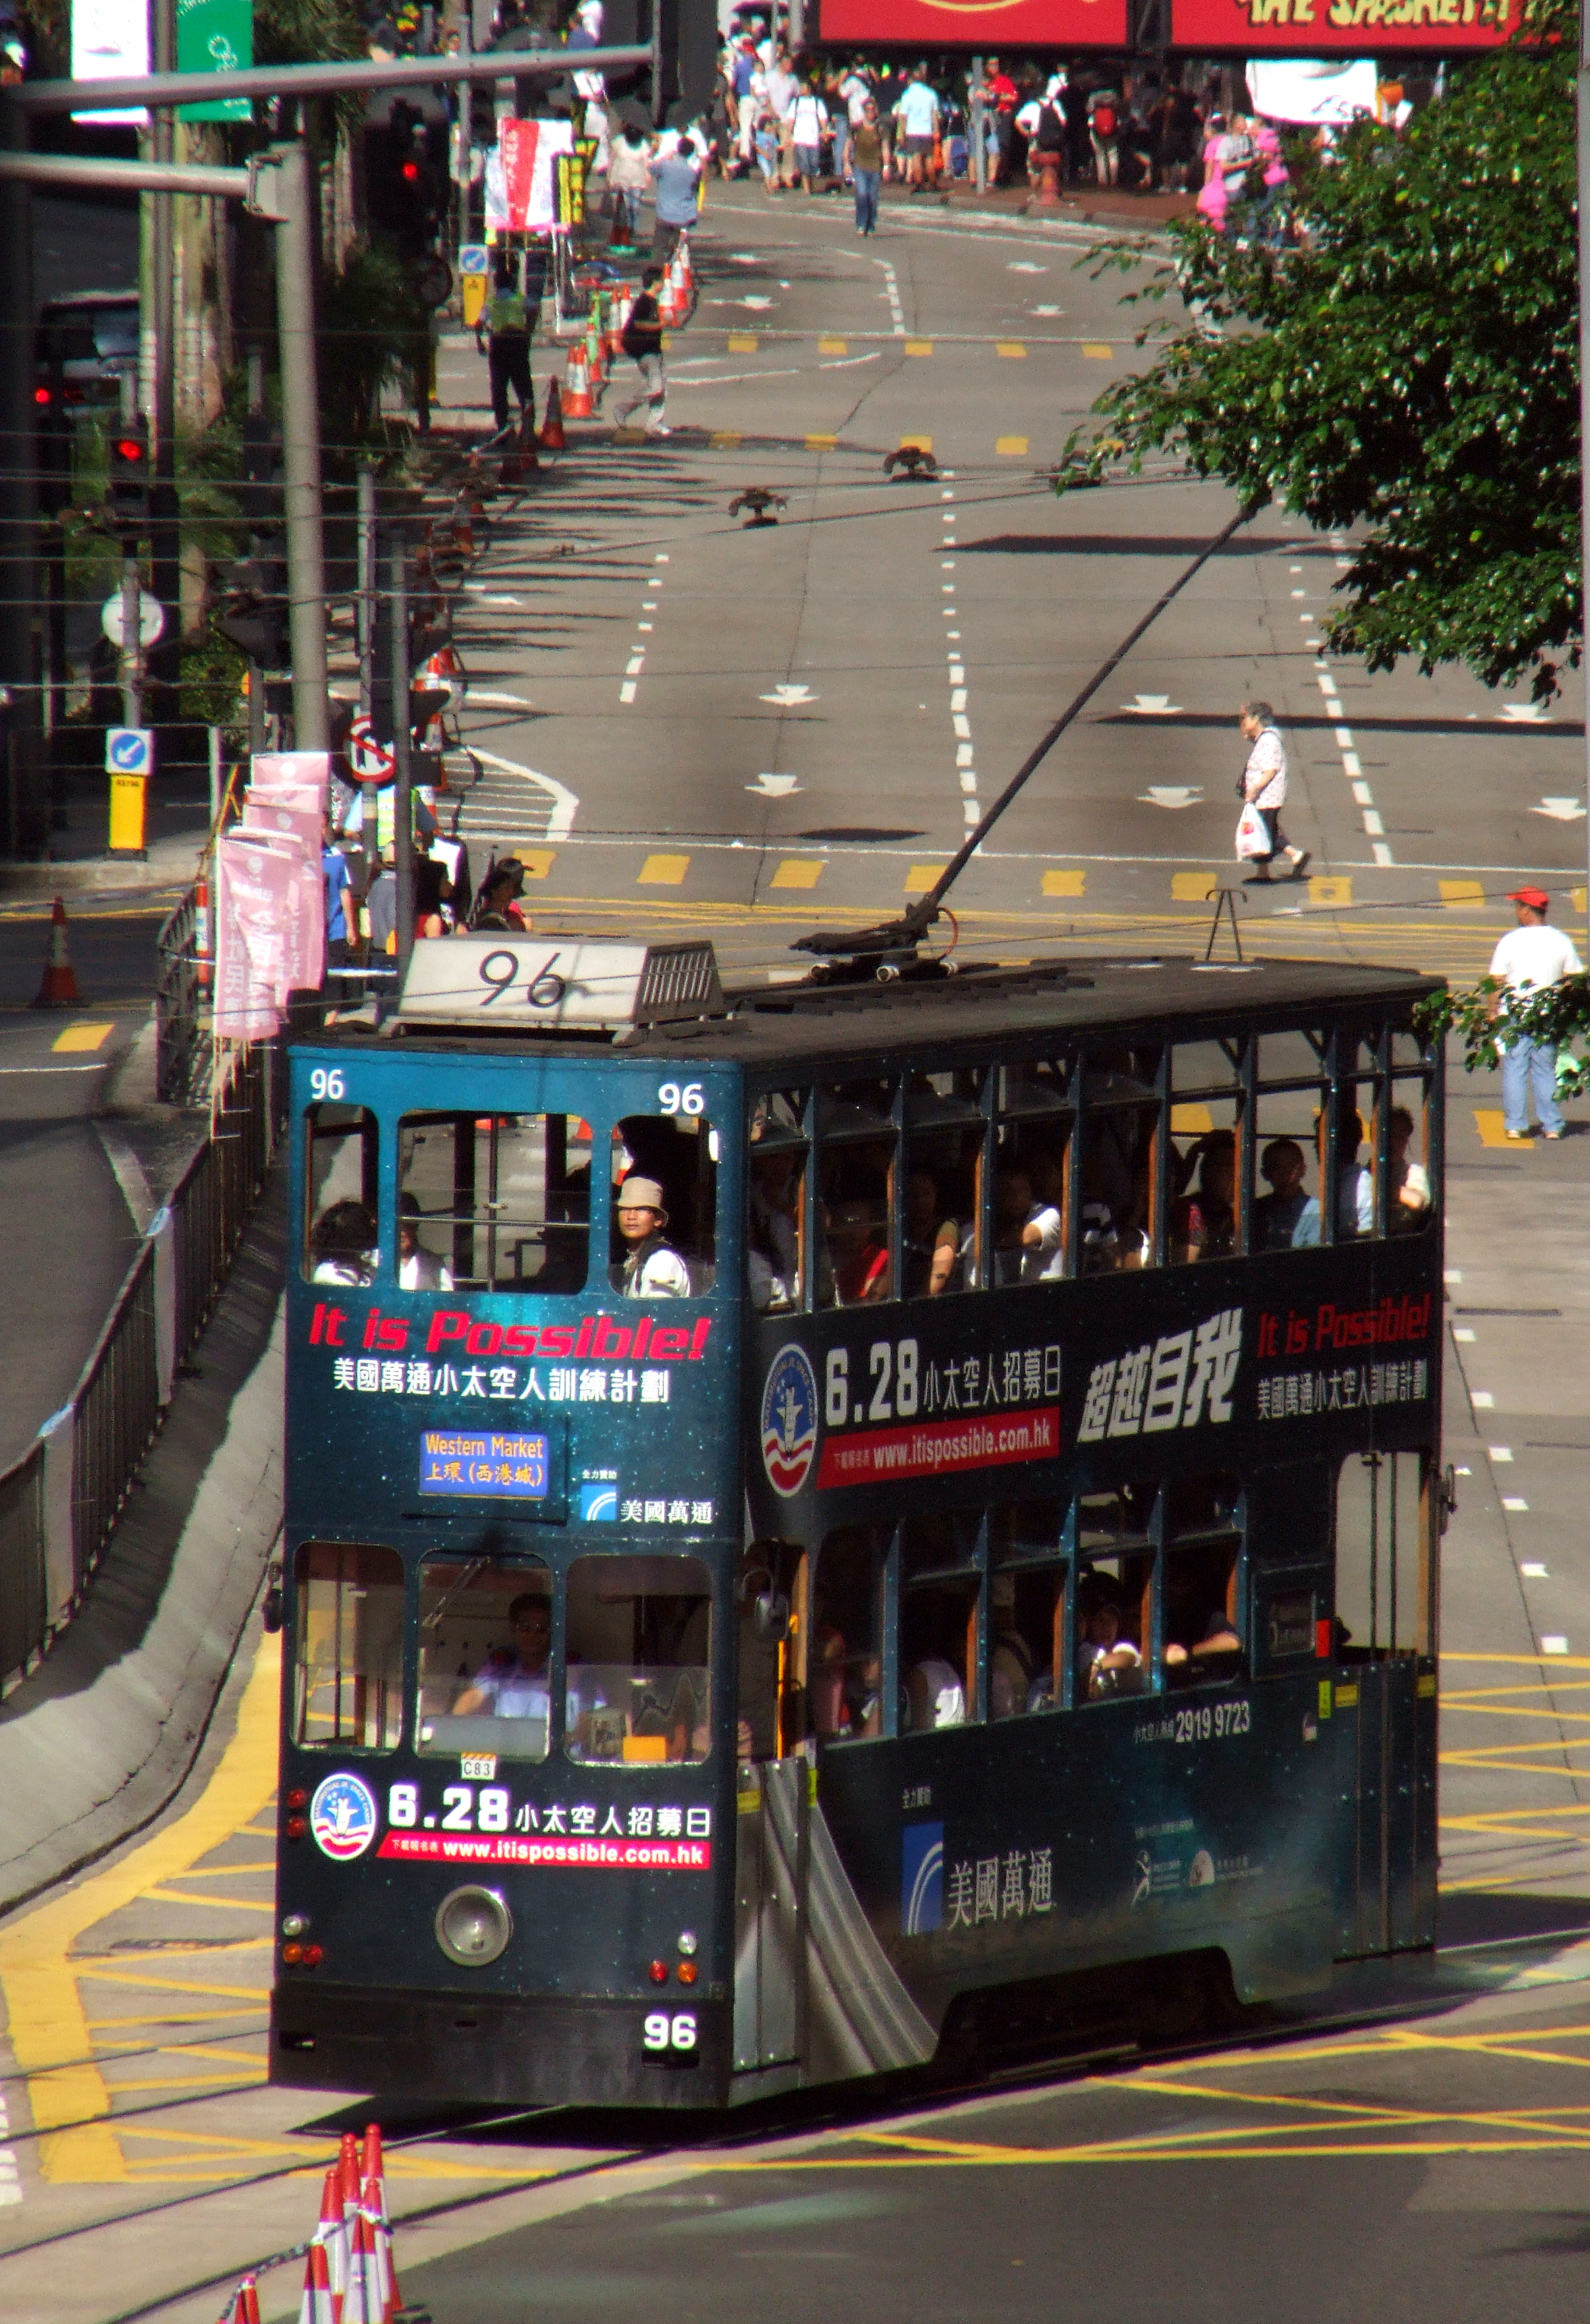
668	2037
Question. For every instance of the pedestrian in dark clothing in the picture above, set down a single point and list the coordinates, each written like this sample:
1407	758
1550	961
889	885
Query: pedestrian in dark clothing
643	344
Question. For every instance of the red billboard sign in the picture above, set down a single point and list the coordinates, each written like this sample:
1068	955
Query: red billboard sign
987	26
1323	28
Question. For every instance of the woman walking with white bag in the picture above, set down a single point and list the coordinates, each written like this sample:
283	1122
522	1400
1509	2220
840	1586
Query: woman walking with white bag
1263	790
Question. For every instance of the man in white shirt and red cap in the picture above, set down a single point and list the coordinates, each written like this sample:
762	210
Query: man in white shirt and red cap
1530	959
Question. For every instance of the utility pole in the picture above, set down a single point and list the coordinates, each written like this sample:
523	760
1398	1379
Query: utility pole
979	140
132	656
23	809
1584	161
165	548
366	601
402	805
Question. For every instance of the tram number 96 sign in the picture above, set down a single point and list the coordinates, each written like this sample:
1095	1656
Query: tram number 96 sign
668	2037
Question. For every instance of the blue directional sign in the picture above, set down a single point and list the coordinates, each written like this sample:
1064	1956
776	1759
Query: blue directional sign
129	750
473	258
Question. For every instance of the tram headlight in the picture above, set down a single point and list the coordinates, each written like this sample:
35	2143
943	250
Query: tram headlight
473	1927
686	1942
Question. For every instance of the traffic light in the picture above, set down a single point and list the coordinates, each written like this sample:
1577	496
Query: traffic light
261	491
53	437
128	491
252	614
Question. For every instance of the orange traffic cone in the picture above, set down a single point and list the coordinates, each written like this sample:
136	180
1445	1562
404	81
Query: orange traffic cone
331	2236
349	2178
521	460
363	2303
463	528
596	352
316	2306
245	2308
59	986
619	310
551	438
381	2259
577	387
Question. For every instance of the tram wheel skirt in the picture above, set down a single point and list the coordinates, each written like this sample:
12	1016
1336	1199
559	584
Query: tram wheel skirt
463	2048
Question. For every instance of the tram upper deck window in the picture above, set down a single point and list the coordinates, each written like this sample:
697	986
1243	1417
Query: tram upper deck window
1206	1124
944	1173
1032	1172
340	1155
845	1669
776	1238
857	1165
1120	1148
494	1202
486	1635
348	1662
664	1174
1203	1629
638	1684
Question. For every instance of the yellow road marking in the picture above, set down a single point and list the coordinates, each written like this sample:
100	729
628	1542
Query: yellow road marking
1097	349
45	2017
743	343
1191	1121
723	439
537	861
920	878
920	443
1009	347
919	346
1580	895
187	2081
663	871
145	1981
1460	895
82	1037
1012	447
797	872
822	443
228	1871
1330	888
832	346
1065	883
1193	887
1530	1662
1492	1124
215	1903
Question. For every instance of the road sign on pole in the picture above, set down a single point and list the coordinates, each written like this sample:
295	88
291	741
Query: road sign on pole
151	621
129	750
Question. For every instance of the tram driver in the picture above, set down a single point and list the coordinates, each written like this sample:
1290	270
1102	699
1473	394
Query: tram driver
342	1244
651	1267
513	1682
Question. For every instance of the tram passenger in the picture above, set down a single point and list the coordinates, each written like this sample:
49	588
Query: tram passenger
1009	1676
651	1269
774	1260
342	1244
859	1256
1109	1662
1411	1183
1029	1235
1284	1168
418	1270
932	1241
1202	1225
512	1682
1211	1654
935	1695
1355	1186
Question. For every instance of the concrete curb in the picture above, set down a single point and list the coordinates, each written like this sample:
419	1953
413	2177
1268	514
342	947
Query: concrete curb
97	1742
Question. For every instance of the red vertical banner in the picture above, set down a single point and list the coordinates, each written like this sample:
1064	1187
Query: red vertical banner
983	26
518	140
1325	28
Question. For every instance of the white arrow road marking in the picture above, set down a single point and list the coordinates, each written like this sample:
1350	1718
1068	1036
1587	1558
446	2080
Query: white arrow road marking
1172	795
786	697
772	786
1048	310
1023	266
1561	810
494	701
1152	705
1523	714
565	802
752	298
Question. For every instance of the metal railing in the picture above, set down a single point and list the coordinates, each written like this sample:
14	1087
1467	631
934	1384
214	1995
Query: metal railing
59	1503
182	1029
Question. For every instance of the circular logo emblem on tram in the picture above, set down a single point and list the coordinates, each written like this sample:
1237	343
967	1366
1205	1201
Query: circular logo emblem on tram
342	1817
788	1420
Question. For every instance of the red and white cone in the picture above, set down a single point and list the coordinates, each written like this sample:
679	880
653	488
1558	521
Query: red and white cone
316	2306
619	310
363	2303
331	2235
551	438
577	387
245	2308
381	2260
59	989
350	2179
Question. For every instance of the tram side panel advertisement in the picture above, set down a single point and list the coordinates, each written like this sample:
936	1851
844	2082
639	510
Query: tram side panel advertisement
983	26
1342	28
1207	1816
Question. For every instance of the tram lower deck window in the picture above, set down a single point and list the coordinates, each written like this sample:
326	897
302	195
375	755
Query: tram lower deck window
486	1637
348	1666
638	1682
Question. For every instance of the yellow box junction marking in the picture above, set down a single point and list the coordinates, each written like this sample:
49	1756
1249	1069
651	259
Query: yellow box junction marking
82	1037
1492	1124
1065	883
537	861
663	871
1191	1121
723	439
743	343
1193	887
918	443
832	346
1009	347
1461	895
1329	888
920	878
919	346
1581	899
822	443
797	872
1012	447
1096	350
46	2022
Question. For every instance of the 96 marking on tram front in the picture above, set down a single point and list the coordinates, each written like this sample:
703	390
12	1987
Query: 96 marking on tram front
668	2037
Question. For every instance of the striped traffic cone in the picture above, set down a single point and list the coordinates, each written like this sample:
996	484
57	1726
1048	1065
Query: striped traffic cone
245	2308
316	2307
349	2178
60	987
331	2235
619	309
551	438
596	352
374	2208
577	387
363	2303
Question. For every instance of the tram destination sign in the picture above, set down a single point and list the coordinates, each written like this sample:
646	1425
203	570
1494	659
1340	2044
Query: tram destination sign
500	1463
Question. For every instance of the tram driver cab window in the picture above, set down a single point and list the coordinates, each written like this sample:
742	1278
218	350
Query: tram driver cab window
664	1174
638	1682
348	1646
485	1638
339	1194
494	1202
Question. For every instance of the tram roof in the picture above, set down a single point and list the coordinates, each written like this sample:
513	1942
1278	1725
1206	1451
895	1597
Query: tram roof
795	1022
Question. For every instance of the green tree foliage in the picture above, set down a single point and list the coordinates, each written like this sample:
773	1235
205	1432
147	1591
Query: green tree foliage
1411	369
1556	1016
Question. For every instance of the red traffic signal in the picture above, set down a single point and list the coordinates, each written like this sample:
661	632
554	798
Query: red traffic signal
412	172
42	395
128	448
129	474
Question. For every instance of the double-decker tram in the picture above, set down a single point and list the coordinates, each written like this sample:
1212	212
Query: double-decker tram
825	1520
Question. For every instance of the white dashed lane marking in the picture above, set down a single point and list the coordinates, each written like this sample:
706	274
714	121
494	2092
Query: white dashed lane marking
1352	766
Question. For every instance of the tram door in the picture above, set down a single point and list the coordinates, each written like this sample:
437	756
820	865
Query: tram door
771	1834
1382	1600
